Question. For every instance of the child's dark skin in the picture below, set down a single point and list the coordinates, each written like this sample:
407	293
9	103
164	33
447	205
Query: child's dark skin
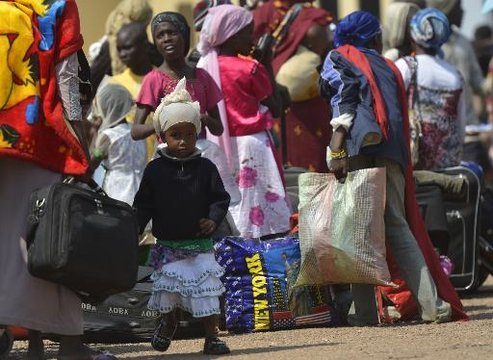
181	139
171	44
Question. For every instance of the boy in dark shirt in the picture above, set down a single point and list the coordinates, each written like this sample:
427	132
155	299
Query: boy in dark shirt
184	196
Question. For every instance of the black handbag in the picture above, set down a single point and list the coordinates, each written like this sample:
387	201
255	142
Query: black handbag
82	239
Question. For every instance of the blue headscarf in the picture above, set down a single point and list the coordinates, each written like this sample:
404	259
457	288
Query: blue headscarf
357	29
430	29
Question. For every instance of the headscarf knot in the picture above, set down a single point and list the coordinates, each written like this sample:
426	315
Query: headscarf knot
430	29
177	107
356	29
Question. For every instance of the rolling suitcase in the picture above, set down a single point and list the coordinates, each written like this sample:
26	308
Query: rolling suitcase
462	214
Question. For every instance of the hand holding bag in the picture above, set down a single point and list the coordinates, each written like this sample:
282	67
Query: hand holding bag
82	239
342	231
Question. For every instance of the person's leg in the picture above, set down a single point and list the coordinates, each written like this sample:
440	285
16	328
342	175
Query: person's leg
405	248
210	326
71	347
213	345
6	341
363	311
164	332
36	347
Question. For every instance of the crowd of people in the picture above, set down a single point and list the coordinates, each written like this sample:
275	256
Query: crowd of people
190	137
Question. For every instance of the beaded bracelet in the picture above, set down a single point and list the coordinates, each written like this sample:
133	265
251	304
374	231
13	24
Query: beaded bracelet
336	155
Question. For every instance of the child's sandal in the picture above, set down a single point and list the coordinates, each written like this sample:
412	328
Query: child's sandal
159	341
215	346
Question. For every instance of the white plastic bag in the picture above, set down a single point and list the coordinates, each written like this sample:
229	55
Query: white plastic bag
342	231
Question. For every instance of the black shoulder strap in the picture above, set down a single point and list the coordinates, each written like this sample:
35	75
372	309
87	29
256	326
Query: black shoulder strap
85	86
412	89
84	68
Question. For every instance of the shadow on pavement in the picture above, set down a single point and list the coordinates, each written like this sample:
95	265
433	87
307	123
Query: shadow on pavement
479	312
199	355
484	291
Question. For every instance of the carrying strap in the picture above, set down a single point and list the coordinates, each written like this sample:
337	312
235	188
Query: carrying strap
84	74
416	119
412	90
282	29
412	64
274	38
90	182
39	208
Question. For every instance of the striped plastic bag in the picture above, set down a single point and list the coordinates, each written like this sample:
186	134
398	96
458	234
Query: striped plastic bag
342	231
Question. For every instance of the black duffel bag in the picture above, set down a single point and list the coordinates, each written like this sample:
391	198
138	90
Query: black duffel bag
124	317
82	239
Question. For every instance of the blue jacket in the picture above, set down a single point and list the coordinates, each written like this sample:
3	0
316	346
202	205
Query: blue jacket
347	90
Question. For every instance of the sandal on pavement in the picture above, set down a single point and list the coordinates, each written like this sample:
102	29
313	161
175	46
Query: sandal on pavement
159	341
215	346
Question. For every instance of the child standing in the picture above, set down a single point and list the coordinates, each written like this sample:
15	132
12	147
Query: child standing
184	196
171	35
246	113
123	158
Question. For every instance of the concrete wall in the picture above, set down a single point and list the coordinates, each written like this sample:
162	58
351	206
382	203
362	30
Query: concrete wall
93	14
184	7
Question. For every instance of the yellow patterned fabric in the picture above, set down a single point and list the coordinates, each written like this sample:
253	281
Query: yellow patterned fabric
342	230
16	39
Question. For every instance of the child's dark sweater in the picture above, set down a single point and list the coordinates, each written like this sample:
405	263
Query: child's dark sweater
177	193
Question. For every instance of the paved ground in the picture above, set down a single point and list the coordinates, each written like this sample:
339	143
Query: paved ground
466	340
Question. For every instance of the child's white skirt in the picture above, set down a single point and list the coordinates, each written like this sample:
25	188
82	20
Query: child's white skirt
192	284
